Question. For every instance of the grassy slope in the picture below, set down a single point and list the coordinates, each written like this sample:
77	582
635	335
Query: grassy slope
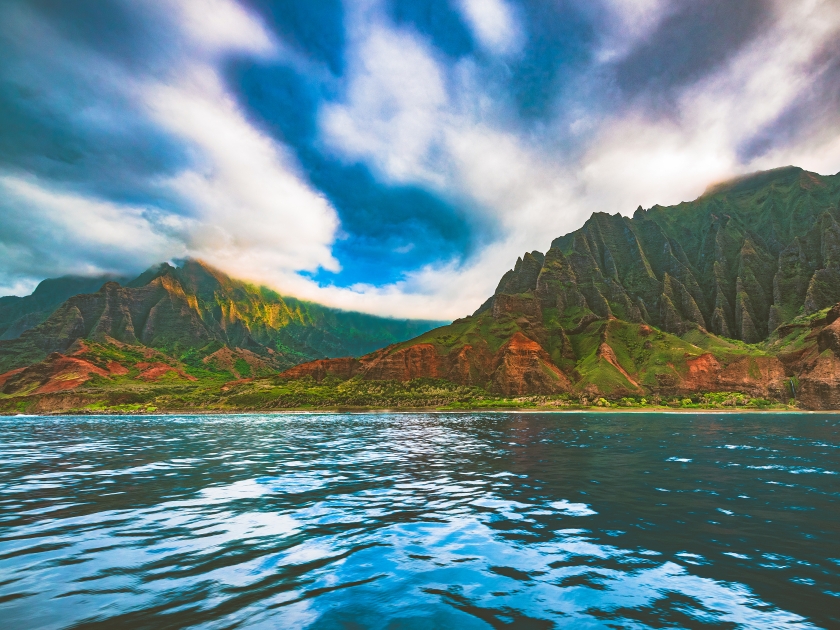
770	216
213	310
272	394
641	354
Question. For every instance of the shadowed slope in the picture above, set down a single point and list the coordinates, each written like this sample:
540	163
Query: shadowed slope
658	304
193	311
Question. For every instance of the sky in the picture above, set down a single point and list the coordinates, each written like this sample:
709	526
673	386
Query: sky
388	156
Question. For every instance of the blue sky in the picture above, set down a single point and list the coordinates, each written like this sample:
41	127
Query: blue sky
391	156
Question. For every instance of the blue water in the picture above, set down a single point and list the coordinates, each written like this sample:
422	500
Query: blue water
421	521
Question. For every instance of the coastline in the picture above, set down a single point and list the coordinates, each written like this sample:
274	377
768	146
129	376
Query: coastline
416	410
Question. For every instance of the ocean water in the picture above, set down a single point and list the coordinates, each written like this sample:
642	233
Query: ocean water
421	521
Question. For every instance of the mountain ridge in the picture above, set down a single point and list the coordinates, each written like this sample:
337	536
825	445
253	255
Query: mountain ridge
733	296
196	309
18	314
672	301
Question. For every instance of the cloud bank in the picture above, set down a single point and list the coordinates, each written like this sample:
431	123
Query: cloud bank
389	156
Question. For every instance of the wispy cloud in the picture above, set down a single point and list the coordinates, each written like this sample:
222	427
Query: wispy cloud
309	145
494	24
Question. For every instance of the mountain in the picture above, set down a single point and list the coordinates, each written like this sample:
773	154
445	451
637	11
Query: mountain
725	293
745	257
18	314
731	299
199	316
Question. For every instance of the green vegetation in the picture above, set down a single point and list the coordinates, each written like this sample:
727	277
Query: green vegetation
276	394
717	303
191	312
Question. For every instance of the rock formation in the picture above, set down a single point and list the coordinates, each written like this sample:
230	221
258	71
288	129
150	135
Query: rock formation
650	304
196	308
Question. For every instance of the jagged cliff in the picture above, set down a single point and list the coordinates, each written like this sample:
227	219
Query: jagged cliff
732	292
19	314
744	258
664	303
194	312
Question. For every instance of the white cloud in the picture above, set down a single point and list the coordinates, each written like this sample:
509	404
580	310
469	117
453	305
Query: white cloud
494	24
627	22
396	104
415	123
415	120
83	235
221	25
630	159
250	203
639	160
244	204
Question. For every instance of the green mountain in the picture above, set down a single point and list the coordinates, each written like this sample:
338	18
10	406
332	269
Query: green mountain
732	299
200	316
744	258
18	314
724	293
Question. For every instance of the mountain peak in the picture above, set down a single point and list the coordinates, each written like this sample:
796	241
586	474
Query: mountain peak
753	181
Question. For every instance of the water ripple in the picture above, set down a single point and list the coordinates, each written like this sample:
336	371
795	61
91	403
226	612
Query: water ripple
420	520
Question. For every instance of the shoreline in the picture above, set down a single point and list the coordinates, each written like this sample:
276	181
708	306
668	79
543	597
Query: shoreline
418	410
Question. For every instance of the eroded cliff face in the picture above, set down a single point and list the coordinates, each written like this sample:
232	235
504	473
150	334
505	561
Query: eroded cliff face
57	373
521	366
595	357
739	261
342	368
817	363
819	386
621	307
192	307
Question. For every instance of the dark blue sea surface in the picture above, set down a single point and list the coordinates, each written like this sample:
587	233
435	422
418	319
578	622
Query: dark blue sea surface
421	521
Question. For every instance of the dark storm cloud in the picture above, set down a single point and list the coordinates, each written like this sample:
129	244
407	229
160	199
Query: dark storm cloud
560	38
694	40
130	32
66	114
67	122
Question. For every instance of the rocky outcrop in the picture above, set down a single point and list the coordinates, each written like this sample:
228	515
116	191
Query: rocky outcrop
819	385
818	364
343	368
702	375
758	376
523	276
522	366
417	361
829	338
57	373
517	306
